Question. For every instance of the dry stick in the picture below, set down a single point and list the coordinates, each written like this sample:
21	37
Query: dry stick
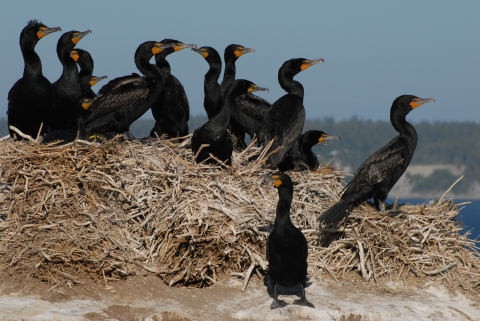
445	268
440	200
362	260
398	195
247	276
198	152
38	134
15	129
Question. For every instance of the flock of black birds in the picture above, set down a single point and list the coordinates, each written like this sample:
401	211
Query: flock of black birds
69	109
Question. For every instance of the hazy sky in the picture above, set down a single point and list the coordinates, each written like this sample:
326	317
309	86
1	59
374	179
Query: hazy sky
374	51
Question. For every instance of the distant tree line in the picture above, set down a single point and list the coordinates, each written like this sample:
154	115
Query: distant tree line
456	143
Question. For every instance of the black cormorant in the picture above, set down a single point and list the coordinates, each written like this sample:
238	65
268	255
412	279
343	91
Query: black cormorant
123	100
211	87
285	119
287	248
249	109
67	90
214	132
381	170
87	80
30	100
67	135
171	110
301	157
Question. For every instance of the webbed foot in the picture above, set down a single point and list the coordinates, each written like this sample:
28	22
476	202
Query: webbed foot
304	303
277	304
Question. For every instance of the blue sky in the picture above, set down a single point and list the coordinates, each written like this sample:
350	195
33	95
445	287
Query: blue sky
374	51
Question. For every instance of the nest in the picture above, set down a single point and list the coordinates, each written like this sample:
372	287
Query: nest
108	211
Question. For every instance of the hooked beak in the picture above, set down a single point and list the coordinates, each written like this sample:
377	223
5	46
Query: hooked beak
309	63
417	102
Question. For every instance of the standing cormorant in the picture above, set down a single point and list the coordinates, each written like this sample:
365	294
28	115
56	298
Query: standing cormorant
67	90
247	108
285	119
87	80
287	248
214	132
30	100
211	88
171	110
123	100
301	157
381	170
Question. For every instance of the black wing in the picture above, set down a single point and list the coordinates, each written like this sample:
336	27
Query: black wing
180	91
285	126
253	106
121	93
11	94
377	166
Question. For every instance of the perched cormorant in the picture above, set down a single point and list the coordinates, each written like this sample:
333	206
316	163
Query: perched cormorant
30	100
123	100
67	135
214	132
67	90
301	157
249	109
171	110
287	248
381	170
87	80
285	119
211	88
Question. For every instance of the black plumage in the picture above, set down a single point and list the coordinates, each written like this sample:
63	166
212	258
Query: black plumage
381	170
171	111
124	99
87	79
214	132
211	87
284	121
249	109
67	135
30	100
67	90
301	157
287	248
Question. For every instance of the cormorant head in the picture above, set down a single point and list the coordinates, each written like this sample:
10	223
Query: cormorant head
86	102
314	137
95	80
294	66
69	39
35	30
281	181
243	86
235	51
176	46
83	59
209	53
406	103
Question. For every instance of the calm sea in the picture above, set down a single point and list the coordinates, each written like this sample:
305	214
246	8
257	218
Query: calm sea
469	214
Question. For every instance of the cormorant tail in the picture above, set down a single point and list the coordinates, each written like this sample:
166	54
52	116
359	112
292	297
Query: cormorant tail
336	212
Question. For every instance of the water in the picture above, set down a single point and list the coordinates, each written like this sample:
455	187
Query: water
469	214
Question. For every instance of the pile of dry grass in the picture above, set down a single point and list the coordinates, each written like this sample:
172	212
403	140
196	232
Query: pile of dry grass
111	210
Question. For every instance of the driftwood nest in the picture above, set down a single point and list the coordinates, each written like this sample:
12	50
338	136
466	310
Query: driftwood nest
108	211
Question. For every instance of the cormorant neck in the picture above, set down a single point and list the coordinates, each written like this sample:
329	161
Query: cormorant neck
308	156
86	69
293	87
285	197
211	89
401	125
69	65
161	62
33	64
228	76
150	70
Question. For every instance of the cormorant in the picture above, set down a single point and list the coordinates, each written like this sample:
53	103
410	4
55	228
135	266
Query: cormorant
285	119
381	170
211	88
67	135
171	110
214	132
287	248
87	80
249	109
67	90
30	100
301	157
123	100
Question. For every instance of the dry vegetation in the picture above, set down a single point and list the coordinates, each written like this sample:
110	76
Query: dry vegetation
107	211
